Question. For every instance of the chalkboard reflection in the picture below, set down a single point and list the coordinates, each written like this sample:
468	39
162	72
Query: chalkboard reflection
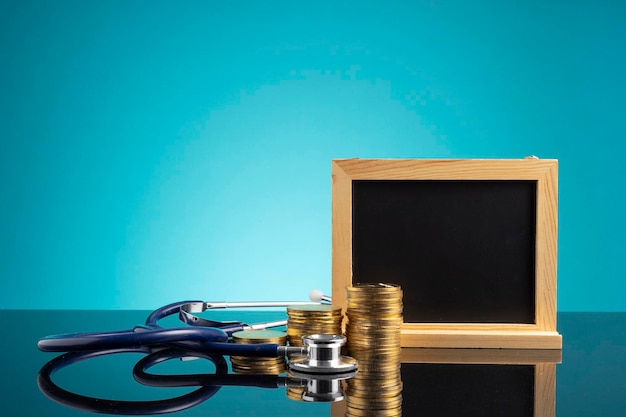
468	390
462	250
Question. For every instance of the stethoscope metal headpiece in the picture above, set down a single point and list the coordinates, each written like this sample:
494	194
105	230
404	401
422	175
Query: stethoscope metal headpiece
323	355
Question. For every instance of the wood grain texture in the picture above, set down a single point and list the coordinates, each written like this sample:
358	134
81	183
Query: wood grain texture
540	335
341	234
545	390
481	356
474	339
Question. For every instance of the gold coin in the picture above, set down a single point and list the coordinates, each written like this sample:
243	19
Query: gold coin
372	394
370	363
311	319
363	390
366	331
314	308
371	389
388	375
389	401
359	302
295	393
256	361
378	404
389	412
366	363
334	316
259	366
374	345
318	319
370	331
382	320
379	341
258	336
312	325
367	299
368	386
261	342
383	340
373	294
378	286
370	403
369	382
373	313
313	330
259	371
386	360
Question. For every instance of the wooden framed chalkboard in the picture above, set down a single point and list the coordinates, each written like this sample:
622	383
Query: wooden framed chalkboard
471	242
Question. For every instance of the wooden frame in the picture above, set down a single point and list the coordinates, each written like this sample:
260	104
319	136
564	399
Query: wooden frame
539	335
544	362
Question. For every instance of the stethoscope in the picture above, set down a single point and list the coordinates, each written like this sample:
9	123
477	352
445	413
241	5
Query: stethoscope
310	387
319	355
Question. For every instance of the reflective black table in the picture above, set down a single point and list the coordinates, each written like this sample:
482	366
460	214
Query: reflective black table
586	378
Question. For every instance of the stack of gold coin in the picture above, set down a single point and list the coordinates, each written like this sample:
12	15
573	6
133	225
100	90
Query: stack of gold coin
295	393
312	319
374	318
257	365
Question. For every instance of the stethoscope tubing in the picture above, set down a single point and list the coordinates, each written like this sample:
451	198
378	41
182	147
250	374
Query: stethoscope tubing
166	310
206	339
212	340
128	338
120	407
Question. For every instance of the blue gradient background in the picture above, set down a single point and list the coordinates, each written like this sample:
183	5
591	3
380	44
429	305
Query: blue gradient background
155	151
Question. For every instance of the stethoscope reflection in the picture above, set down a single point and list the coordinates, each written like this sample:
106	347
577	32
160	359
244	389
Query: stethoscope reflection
314	387
299	386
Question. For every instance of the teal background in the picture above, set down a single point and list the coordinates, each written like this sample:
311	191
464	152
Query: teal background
155	151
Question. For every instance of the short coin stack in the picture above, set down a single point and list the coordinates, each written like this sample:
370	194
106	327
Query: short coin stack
256	365
295	393
373	330
312	319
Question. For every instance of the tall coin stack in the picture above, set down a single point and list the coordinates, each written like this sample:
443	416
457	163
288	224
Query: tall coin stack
256	365
312	319
374	316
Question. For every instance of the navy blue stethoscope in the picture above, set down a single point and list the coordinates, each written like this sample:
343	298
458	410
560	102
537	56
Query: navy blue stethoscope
311	387
318	365
319	355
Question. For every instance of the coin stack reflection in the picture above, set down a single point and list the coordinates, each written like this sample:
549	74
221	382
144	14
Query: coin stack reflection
374	318
312	319
295	393
256	365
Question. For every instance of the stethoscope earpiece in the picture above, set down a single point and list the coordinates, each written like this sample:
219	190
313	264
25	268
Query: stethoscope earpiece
318	296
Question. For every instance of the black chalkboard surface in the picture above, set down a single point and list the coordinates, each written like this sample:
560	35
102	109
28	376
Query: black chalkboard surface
463	251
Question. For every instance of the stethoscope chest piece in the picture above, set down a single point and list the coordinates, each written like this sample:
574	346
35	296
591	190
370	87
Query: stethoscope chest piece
319	387
324	356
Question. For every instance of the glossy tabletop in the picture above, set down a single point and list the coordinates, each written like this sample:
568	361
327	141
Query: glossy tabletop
586	378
